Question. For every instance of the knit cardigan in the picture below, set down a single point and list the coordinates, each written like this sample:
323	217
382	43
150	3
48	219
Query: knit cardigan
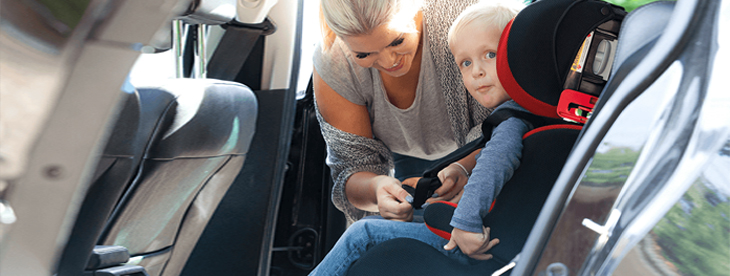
349	153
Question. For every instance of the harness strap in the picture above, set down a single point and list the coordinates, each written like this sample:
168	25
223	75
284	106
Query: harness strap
430	177
533	121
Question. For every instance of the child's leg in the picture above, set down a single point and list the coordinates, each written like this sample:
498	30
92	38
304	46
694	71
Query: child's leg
366	233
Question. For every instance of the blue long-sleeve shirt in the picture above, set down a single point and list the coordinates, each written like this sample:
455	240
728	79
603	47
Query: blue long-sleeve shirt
495	165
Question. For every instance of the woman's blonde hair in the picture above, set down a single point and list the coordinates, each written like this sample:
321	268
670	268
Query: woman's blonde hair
361	17
486	12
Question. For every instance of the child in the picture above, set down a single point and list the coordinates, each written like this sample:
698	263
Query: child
473	38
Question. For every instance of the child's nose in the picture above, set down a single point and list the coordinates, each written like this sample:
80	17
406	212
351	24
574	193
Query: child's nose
478	71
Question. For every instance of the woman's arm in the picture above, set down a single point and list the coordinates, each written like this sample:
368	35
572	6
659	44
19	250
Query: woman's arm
364	190
339	112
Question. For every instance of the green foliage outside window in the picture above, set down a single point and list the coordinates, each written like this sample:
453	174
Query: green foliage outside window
695	234
613	166
68	13
630	5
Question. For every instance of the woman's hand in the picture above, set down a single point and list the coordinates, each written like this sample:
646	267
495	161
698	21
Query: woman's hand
453	179
472	244
393	200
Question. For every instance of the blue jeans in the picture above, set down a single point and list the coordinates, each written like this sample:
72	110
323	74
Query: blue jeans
366	233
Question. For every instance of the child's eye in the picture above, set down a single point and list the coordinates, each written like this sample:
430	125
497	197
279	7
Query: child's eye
396	42
362	55
491	55
465	63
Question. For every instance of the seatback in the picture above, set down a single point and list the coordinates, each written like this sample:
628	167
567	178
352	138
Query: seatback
138	123
526	191
197	148
115	170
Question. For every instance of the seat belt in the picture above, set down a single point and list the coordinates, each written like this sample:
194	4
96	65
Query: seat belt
533	121
235	47
427	184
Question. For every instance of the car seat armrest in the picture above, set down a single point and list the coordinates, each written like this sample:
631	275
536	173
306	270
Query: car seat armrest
108	260
106	256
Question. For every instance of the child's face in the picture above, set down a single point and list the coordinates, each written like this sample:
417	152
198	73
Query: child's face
475	51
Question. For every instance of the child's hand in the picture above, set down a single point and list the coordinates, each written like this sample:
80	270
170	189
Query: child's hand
453	179
472	244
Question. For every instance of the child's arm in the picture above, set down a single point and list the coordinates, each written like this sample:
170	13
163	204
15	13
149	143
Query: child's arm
472	244
495	166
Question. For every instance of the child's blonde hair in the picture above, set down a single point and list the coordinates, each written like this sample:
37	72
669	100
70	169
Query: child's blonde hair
486	12
360	17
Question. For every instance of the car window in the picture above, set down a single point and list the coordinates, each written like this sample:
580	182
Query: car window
692	238
150	68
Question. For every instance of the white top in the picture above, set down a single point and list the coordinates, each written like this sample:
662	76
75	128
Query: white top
422	130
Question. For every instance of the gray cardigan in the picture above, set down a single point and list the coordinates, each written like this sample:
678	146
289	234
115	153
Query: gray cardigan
348	153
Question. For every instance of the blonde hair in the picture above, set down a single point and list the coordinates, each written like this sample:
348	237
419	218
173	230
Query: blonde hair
361	17
486	12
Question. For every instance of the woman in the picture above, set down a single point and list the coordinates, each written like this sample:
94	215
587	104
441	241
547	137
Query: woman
389	95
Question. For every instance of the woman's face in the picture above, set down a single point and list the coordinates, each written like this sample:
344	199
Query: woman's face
387	49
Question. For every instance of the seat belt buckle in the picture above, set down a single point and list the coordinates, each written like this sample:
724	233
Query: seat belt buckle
423	190
575	106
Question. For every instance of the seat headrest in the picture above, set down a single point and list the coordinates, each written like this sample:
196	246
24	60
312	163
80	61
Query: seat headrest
538	47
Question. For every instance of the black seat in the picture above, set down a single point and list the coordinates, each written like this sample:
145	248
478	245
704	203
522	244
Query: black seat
515	211
197	148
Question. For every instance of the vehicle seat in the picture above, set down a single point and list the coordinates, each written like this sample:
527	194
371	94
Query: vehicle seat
197	148
515	210
115	170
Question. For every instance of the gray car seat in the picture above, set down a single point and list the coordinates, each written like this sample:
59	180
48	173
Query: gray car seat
198	147
115	170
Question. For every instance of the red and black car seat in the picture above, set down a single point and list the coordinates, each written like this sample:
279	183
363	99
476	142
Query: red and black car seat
538	55
560	56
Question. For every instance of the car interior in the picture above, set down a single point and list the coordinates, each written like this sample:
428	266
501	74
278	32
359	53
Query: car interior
216	164
526	192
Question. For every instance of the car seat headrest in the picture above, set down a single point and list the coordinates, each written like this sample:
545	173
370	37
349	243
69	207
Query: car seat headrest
545	40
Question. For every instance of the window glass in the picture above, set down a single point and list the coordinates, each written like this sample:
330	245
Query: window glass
693	238
149	69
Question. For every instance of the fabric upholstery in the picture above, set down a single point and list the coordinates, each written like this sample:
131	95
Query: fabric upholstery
196	151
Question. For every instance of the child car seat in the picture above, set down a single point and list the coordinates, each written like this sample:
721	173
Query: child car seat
535	76
576	66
